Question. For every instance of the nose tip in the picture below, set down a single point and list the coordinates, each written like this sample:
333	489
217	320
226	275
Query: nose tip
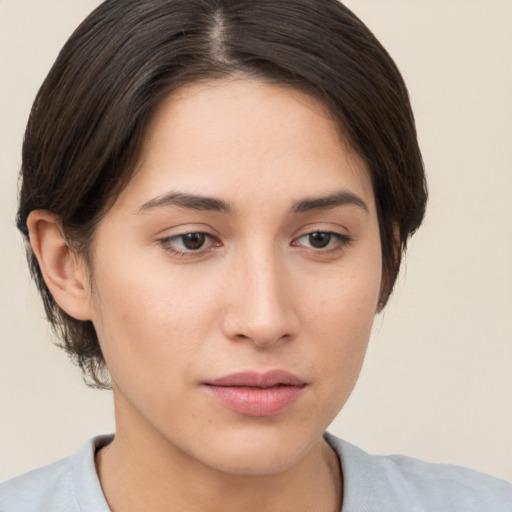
263	323
260	332
259	308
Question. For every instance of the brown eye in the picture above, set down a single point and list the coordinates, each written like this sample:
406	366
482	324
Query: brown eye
323	241
189	244
193	241
319	240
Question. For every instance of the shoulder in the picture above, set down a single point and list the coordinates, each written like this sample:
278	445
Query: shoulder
46	488
68	485
396	482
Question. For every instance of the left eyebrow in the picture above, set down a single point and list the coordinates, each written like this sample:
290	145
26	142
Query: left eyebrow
341	198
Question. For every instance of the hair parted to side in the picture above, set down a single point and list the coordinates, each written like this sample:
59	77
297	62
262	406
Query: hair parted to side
88	120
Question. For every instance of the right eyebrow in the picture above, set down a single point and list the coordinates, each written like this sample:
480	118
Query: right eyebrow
191	201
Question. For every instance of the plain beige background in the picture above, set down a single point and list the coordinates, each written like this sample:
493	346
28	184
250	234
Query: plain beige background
438	377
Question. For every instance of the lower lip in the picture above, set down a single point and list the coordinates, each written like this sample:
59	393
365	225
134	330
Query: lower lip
256	401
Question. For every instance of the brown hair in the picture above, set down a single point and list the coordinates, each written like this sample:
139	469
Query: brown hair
88	119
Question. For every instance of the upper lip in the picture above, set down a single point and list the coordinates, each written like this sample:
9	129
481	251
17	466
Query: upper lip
257	379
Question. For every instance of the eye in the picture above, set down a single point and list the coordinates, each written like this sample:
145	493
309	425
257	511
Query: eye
192	241
188	243
323	240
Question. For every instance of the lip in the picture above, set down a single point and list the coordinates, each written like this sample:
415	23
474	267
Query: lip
257	394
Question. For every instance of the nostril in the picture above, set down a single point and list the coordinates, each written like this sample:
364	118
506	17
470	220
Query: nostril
260	309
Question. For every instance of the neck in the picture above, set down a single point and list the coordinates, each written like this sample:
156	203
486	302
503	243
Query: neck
141	472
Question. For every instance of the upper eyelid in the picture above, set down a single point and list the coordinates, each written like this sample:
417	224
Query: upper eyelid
216	238
295	236
341	231
167	245
339	236
179	235
185	228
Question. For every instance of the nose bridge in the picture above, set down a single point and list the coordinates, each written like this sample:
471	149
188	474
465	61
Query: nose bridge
260	308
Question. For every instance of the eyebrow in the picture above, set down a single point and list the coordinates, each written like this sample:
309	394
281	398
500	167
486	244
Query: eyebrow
199	202
191	201
341	198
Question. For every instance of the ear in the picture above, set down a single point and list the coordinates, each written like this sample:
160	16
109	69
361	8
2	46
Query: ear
63	271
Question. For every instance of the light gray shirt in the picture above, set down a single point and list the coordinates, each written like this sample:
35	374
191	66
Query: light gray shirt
372	483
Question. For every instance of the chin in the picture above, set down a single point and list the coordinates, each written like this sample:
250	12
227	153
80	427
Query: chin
257	451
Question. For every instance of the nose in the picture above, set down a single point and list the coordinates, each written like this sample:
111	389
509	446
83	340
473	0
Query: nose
259	303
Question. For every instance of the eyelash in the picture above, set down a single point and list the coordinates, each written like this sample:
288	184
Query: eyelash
167	242
340	242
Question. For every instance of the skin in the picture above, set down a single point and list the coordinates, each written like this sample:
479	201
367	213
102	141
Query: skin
259	295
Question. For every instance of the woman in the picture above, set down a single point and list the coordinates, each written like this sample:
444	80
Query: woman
216	196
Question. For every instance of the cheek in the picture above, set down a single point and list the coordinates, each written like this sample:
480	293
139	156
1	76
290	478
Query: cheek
147	316
344	299
340	317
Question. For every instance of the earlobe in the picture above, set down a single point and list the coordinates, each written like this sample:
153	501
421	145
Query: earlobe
62	271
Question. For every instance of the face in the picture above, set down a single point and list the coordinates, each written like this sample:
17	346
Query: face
236	278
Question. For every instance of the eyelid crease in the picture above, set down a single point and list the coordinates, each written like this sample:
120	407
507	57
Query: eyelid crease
323	227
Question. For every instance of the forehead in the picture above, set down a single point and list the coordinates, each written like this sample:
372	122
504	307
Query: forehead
237	137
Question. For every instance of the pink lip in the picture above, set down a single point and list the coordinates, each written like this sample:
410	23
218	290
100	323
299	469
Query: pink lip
257	394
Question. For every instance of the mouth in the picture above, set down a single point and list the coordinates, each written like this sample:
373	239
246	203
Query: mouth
257	394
